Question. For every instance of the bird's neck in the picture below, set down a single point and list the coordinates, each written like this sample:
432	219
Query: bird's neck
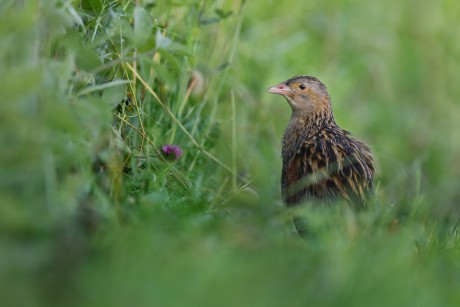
305	120
302	126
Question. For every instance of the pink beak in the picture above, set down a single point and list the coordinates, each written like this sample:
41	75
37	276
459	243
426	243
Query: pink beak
280	89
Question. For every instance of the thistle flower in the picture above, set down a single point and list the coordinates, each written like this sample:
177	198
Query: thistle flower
172	151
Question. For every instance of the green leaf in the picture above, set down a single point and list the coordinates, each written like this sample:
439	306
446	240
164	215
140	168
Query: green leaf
95	5
87	59
114	94
143	25
13	86
162	41
100	87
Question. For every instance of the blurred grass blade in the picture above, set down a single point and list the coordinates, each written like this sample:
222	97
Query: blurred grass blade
100	87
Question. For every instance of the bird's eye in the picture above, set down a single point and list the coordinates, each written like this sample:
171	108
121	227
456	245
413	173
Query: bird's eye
302	86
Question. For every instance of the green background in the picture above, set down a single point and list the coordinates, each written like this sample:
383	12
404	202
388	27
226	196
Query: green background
94	214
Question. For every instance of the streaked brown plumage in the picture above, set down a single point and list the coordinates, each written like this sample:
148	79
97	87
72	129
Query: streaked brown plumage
321	161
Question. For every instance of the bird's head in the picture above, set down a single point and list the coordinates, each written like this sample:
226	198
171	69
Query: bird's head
304	94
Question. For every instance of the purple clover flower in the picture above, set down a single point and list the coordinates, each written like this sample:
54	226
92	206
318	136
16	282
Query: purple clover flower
171	150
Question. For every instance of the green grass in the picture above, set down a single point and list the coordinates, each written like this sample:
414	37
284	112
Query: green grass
93	213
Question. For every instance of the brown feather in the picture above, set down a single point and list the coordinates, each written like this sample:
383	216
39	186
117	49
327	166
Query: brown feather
321	161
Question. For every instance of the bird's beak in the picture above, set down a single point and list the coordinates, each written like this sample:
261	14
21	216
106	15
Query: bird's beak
280	89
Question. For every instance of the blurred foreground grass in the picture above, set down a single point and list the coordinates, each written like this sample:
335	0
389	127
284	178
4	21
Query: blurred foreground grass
93	214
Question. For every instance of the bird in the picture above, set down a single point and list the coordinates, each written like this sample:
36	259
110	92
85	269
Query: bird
321	162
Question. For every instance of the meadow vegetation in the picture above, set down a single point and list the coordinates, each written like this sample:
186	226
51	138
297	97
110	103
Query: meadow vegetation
94	213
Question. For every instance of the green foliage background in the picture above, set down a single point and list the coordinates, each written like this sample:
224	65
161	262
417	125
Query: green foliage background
93	214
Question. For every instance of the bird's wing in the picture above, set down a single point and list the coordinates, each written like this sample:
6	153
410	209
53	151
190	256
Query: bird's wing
329	166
